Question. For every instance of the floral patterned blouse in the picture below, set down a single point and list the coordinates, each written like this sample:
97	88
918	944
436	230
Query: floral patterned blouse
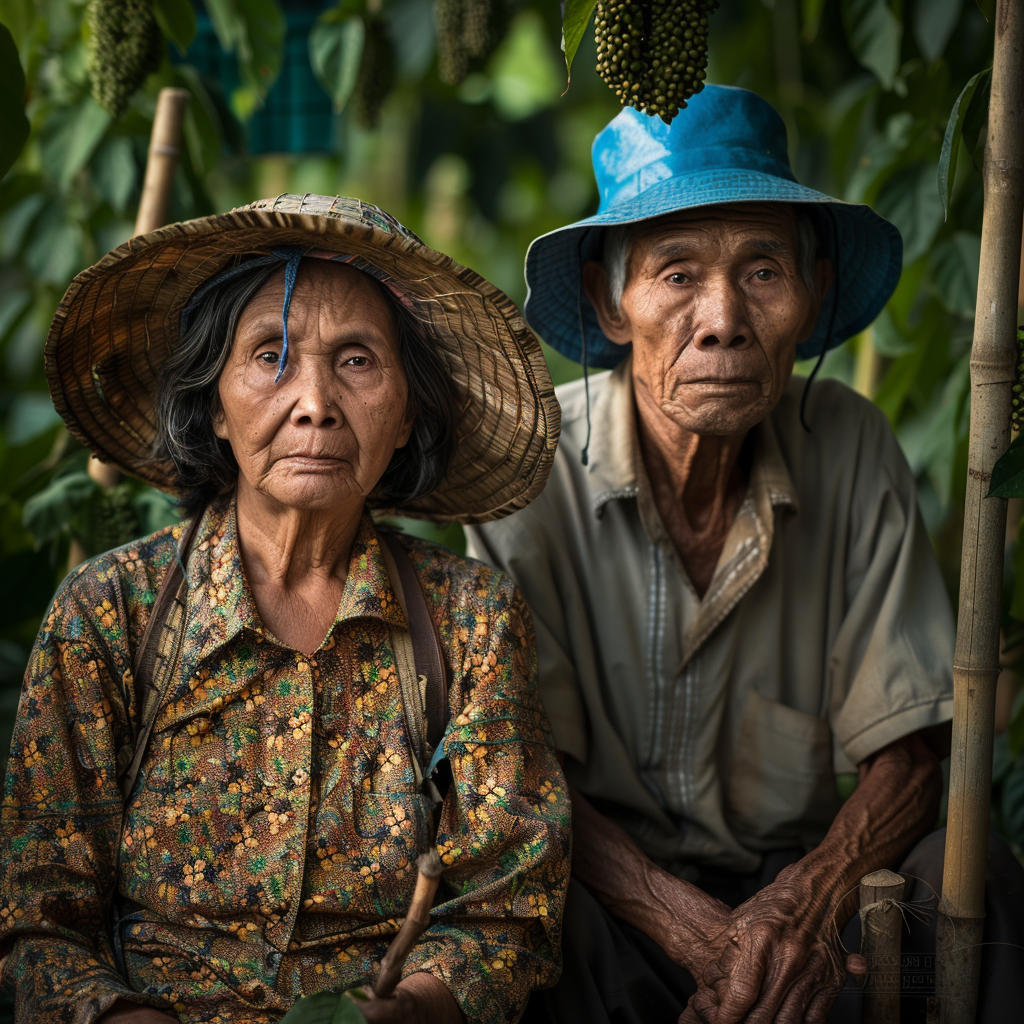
270	844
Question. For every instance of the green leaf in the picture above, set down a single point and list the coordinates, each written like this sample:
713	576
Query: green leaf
874	34
908	199
954	131
812	10
988	9
72	146
335	49
47	513
177	21
114	171
934	22
254	31
1013	802
574	23
324	1008
14	126
976	120
955	272
1008	472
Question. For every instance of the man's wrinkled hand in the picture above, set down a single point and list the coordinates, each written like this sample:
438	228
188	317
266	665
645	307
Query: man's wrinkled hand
777	960
419	999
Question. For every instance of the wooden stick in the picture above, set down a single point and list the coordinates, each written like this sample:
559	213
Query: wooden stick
881	923
976	658
416	922
161	164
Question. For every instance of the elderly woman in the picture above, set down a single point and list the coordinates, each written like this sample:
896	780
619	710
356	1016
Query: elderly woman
218	785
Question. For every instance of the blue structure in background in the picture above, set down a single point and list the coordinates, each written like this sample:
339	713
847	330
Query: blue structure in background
297	115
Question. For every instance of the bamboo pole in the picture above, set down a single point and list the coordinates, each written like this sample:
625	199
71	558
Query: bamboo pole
161	164
881	924
976	658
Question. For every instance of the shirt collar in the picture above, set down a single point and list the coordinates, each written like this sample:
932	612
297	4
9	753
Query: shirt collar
615	469
220	601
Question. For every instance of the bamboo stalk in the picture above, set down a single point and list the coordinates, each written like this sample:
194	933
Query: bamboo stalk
416	922
881	924
976	658
161	164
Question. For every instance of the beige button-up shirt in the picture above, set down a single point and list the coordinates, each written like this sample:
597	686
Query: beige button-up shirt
711	728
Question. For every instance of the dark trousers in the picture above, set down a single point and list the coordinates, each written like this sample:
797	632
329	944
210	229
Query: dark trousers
614	974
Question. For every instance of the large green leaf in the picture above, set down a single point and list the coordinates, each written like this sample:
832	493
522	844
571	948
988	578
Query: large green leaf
951	140
955	272
254	31
177	21
324	1008
812	11
1008	472
14	125
908	199
1013	802
874	34
335	50
934	21
575	19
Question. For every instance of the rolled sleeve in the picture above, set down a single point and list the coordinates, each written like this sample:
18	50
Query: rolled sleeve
890	664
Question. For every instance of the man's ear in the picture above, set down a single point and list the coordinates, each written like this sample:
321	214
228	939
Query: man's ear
614	323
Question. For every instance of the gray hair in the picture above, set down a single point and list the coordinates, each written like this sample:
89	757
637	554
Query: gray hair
188	400
618	245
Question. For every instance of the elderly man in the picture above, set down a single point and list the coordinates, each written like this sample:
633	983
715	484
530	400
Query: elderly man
734	595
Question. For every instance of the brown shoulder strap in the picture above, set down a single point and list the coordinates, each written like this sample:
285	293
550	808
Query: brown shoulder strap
156	641
426	642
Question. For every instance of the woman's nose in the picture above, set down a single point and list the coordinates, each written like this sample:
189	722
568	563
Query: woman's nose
317	404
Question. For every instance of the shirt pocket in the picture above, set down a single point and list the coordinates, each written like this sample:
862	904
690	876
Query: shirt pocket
781	788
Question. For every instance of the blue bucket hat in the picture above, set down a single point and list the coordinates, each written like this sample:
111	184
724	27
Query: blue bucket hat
727	146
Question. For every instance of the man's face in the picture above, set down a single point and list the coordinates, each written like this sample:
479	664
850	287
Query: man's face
714	305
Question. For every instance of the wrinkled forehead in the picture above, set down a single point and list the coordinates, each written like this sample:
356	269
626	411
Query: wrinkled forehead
735	222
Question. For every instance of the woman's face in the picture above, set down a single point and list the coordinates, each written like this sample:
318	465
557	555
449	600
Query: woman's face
324	434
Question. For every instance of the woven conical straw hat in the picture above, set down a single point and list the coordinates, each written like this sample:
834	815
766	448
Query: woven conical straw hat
118	322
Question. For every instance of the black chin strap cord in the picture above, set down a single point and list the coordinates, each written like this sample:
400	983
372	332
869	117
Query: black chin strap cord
826	344
585	454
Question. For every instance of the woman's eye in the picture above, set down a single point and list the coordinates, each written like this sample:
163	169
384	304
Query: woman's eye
764	274
269	358
357	361
678	278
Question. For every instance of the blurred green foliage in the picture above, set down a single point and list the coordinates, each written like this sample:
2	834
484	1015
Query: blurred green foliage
865	87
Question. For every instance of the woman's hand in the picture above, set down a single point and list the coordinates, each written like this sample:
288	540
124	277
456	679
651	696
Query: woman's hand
419	999
131	1013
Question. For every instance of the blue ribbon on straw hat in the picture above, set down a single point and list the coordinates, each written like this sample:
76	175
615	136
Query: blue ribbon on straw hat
727	146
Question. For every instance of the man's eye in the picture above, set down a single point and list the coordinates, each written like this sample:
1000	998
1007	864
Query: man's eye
269	358
764	274
678	278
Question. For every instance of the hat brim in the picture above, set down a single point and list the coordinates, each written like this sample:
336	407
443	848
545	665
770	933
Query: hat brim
118	322
865	249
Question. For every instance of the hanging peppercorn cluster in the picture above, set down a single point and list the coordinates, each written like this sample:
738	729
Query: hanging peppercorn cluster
376	76
652	53
467	33
125	46
1017	416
